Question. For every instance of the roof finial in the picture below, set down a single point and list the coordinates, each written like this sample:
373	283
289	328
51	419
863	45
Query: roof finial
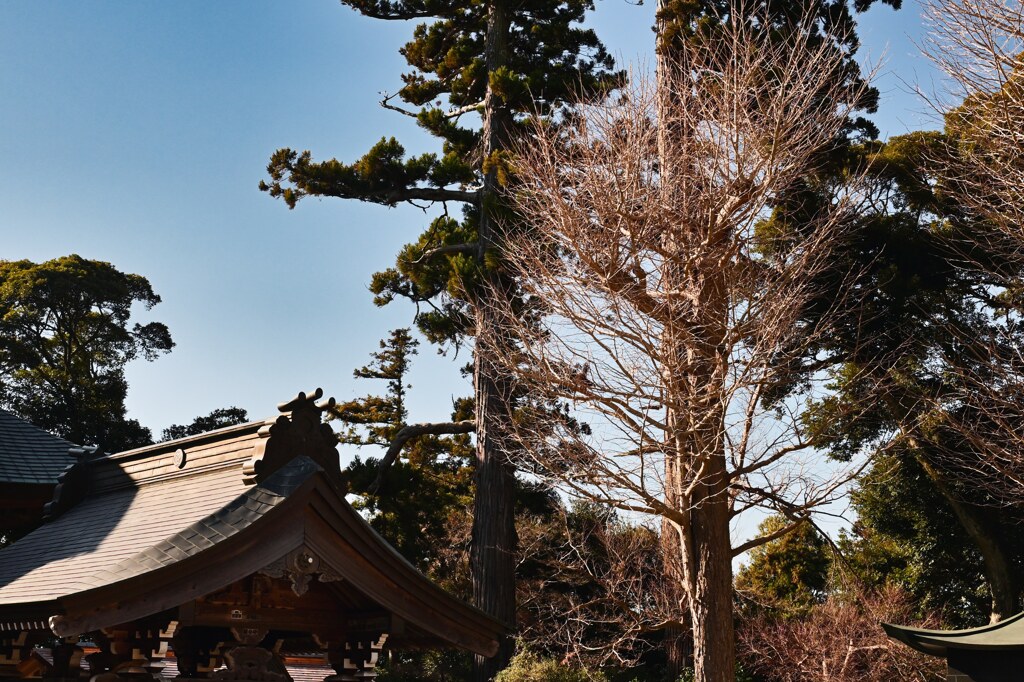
298	432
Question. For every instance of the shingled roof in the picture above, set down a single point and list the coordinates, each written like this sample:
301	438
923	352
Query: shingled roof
1006	635
136	533
28	454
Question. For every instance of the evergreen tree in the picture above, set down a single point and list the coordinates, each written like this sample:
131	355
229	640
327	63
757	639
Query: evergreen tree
790	573
503	61
217	419
416	503
931	274
376	420
907	534
420	504
65	338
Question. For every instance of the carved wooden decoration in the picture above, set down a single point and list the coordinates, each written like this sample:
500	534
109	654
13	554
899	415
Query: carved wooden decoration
357	660
298	432
13	649
196	652
254	664
73	483
299	567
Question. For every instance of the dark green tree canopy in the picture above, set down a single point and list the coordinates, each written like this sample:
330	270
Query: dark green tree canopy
790	573
938	318
217	419
551	61
65	337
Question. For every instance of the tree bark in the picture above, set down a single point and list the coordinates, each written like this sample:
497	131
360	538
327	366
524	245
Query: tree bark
492	553
998	569
699	556
711	608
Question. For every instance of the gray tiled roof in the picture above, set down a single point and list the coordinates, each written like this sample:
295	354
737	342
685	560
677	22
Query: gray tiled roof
142	530
127	532
28	454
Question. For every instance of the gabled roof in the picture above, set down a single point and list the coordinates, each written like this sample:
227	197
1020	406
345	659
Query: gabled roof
28	454
143	531
1006	635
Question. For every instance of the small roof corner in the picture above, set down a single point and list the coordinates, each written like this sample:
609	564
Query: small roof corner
30	455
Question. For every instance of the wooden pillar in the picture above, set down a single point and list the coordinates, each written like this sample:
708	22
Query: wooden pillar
67	660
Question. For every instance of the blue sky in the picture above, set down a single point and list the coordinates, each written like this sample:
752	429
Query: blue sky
136	133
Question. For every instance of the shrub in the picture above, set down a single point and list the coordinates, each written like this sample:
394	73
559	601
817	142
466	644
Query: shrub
526	666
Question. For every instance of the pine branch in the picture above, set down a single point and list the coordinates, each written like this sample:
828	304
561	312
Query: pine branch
384	175
454	112
411	431
389	10
423	193
468	247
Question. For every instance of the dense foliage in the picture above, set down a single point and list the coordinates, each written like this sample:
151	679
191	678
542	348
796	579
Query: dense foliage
217	419
66	334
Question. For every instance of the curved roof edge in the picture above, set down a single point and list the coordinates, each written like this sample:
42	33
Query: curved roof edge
1006	635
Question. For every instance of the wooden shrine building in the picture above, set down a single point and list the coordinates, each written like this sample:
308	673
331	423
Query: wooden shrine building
991	653
218	556
31	460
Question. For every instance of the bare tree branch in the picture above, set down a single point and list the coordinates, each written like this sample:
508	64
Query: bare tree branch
665	319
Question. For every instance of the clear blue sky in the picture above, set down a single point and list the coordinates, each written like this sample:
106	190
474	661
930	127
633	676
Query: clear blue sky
136	133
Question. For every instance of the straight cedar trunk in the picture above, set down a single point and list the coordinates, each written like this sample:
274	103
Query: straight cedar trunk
492	553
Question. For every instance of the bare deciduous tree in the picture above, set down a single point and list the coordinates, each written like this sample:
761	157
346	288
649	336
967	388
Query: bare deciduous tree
979	45
680	333
838	641
596	601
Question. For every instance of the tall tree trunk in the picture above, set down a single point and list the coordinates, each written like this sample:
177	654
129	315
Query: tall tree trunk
492	554
709	544
698	556
998	570
711	607
678	640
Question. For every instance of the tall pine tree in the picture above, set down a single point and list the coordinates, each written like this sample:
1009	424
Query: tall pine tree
420	505
479	69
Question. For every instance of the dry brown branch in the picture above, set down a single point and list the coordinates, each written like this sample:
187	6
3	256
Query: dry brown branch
838	641
667	318
598	599
979	45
